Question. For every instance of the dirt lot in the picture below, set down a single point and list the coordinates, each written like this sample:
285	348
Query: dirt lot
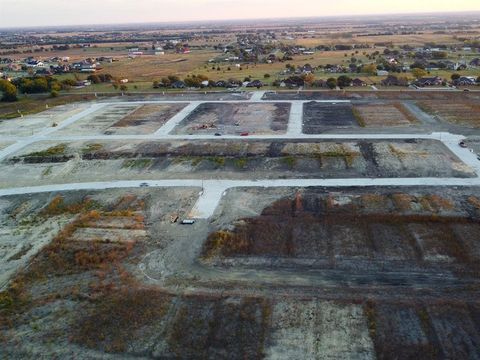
85	296
320	116
234	119
124	119
380	115
145	119
48	162
32	124
392	230
465	113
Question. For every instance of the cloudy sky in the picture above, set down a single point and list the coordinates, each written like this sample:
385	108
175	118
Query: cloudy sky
15	13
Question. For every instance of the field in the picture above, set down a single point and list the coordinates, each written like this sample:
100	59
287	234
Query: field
234	119
390	230
87	293
379	115
124	119
45	119
44	162
465	113
318	117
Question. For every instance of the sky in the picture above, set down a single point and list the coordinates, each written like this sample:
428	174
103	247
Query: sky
20	13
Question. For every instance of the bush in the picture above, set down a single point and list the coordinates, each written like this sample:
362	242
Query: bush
9	91
332	83
54	93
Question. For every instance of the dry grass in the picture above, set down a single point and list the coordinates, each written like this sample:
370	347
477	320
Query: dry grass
460	112
118	314
473	200
383	115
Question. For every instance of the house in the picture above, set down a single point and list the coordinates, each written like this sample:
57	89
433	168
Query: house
392	80
475	62
34	63
358	82
294	81
429	81
123	81
306	69
255	83
133	54
271	57
382	73
178	85
465	81
221	83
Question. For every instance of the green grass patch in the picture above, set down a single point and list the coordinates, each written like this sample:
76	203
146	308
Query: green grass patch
218	161
290	161
56	150
137	163
241	163
92	148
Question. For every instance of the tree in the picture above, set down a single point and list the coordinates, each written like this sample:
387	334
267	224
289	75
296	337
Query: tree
266	76
455	77
309	79
344	81
9	91
40	85
332	83
123	87
418	73
95	79
370	69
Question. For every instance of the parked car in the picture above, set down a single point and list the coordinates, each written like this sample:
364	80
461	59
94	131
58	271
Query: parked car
462	144
188	222
144	184
218	134
244	134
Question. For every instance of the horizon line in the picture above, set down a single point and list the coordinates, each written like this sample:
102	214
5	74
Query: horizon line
209	21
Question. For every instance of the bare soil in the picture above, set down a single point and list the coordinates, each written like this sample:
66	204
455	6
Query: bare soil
234	119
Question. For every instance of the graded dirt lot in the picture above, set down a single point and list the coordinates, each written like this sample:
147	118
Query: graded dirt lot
380	115
465	113
31	124
47	162
320	116
124	119
87	296
322	229
234	119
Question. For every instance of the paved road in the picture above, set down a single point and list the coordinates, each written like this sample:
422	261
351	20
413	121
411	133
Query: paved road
213	190
174	121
